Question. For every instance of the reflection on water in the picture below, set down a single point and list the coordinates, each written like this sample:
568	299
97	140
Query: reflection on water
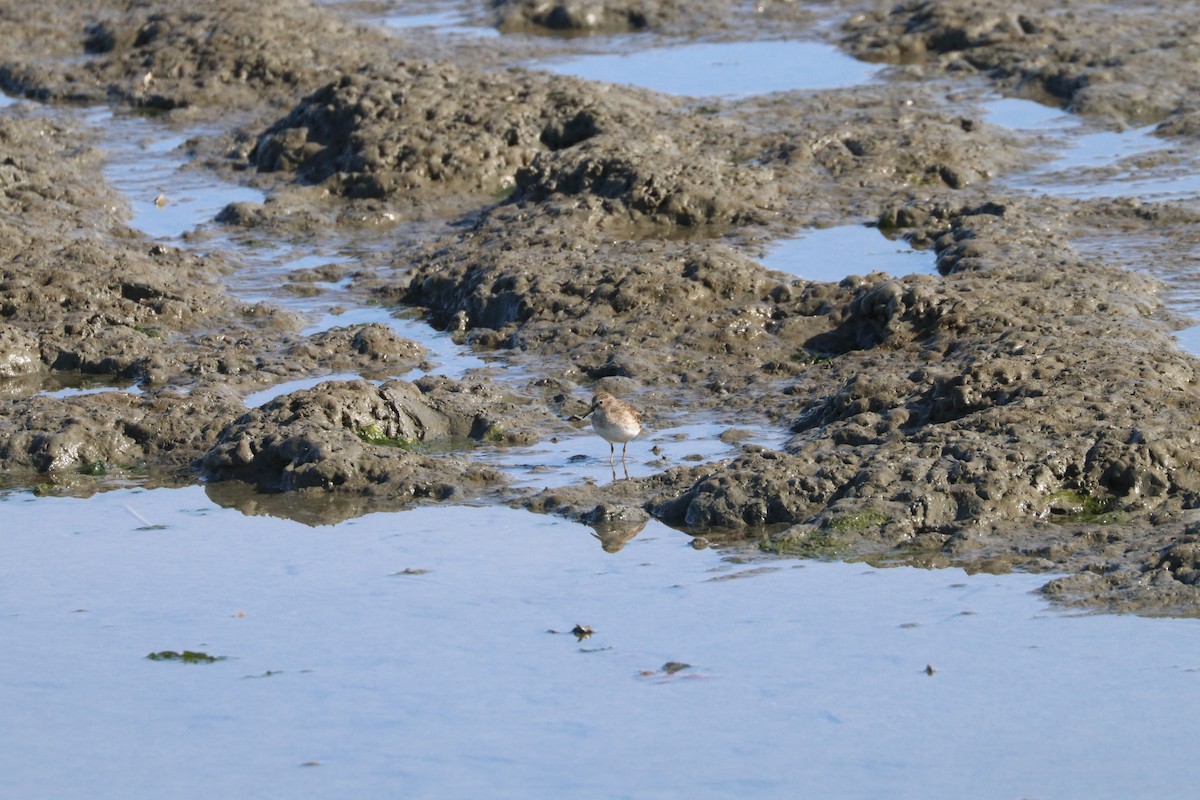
584	457
408	655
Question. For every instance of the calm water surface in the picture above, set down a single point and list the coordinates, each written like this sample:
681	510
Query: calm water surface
410	654
721	69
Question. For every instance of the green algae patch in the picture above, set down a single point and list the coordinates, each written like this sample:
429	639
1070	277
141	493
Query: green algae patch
186	657
818	544
858	521
373	434
1071	506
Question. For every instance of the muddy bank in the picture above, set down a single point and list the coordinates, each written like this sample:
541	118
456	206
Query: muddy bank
363	439
1098	59
81	294
672	17
168	56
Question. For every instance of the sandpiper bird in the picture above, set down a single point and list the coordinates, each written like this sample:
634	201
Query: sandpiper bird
616	421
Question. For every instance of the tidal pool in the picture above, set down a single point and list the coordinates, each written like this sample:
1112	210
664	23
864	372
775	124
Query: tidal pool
446	22
146	162
728	69
411	654
1089	160
831	254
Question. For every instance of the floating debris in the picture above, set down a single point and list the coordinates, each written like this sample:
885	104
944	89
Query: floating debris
186	657
667	671
580	632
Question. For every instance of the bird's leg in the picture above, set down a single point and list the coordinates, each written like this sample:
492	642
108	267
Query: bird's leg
612	453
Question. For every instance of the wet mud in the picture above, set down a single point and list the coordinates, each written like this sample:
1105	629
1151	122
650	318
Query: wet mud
1026	407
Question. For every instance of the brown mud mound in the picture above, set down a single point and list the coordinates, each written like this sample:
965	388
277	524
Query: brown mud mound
634	160
358	438
382	133
656	311
660	178
673	17
425	128
1097	58
78	289
158	56
1023	385
109	432
581	16
871	138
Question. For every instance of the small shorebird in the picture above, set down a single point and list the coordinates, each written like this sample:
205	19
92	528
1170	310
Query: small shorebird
616	421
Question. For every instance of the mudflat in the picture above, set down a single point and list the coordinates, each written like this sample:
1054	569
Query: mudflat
1026	407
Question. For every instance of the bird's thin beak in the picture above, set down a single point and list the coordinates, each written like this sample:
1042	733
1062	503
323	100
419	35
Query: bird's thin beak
583	416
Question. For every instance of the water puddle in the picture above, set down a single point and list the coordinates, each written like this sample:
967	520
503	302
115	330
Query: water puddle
257	399
146	160
69	392
719	69
446	357
146	163
63	385
1189	340
431	653
1089	161
831	254
444	22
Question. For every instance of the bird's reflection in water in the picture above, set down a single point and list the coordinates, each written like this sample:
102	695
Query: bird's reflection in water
615	533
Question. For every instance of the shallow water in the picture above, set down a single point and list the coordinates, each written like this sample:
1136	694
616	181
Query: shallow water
409	655
721	69
446	22
145	162
578	455
1089	160
831	254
